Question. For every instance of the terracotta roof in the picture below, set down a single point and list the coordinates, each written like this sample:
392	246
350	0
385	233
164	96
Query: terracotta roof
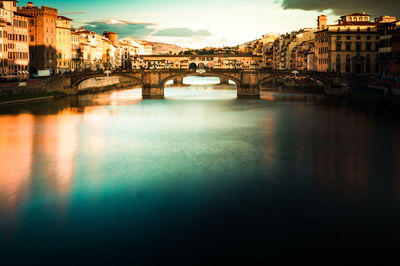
65	18
22	14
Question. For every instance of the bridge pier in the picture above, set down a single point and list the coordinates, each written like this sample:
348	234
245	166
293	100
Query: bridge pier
152	93
249	87
248	92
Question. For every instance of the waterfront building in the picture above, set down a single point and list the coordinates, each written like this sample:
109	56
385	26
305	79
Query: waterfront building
127	52
395	66
109	51
268	55
64	44
200	61
145	48
115	52
76	52
90	54
285	45
267	44
14	47
351	46
388	58
303	57
42	36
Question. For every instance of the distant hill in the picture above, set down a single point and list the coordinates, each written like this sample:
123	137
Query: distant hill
164	48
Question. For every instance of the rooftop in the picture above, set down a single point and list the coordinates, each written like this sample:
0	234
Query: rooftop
64	18
357	14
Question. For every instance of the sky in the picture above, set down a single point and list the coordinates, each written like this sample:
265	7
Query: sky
197	24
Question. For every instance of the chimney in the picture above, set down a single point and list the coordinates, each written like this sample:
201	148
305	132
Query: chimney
322	22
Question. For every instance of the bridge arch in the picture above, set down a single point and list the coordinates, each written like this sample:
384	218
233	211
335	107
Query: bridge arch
192	66
201	66
206	74
79	80
326	83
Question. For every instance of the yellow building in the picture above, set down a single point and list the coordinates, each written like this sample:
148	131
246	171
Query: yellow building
64	48
76	52
351	46
108	54
14	45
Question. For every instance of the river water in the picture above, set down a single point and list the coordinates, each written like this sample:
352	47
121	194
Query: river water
198	177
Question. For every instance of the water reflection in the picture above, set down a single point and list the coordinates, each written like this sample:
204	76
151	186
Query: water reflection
112	171
16	137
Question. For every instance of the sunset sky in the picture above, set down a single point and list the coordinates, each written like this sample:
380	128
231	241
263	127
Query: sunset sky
197	24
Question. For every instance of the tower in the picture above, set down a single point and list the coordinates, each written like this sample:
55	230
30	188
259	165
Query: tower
322	22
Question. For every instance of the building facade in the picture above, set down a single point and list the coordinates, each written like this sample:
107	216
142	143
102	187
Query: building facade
64	44
14	47
199	61
286	44
76	52
351	46
42	37
388	58
395	66
303	57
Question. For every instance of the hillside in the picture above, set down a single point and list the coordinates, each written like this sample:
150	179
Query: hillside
164	48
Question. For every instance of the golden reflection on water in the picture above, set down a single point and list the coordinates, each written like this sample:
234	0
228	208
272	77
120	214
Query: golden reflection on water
26	140
39	153
16	134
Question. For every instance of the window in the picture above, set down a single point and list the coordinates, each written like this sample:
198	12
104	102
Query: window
338	63
358	46
368	46
368	64
338	46
358	37
347	37
348	63
348	46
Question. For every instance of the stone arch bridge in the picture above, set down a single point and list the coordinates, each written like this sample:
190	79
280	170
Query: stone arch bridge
248	82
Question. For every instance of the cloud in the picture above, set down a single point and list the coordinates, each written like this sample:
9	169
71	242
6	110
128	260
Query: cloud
341	7
122	27
182	32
